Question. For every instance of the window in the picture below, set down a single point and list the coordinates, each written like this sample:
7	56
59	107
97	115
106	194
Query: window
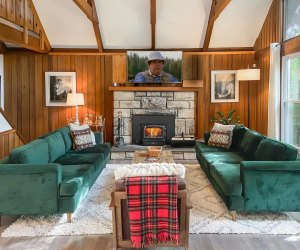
291	18
291	99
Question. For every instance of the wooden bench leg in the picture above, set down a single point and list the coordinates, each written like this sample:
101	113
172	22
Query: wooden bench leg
69	217
233	215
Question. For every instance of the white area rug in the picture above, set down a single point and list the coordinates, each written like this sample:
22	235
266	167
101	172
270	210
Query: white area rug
209	214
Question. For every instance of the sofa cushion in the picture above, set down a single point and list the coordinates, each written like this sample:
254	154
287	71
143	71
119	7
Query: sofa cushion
99	148
222	157
238	135
270	150
82	139
74	177
77	159
56	145
74	127
250	143
219	138
291	152
204	148
33	152
66	134
227	176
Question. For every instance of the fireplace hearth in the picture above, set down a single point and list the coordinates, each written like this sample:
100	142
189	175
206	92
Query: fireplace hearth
153	129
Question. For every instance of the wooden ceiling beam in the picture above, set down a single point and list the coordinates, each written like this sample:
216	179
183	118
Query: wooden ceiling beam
43	34
2	47
89	9
217	7
15	36
153	22
86	8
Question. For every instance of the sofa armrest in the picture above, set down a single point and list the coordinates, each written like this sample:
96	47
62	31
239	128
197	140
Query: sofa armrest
98	137
270	166
270	185
29	188
206	136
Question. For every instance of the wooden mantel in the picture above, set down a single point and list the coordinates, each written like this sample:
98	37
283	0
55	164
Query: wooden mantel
151	88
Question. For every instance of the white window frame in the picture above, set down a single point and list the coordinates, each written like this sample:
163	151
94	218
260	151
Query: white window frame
284	93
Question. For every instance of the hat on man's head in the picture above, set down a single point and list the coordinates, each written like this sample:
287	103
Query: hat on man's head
155	55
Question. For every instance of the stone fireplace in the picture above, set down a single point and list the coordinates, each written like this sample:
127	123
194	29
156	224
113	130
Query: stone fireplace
155	106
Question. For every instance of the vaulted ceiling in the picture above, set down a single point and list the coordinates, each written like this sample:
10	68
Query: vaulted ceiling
152	24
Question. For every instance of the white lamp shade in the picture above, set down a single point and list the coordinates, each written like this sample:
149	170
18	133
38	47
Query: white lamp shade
248	74
75	99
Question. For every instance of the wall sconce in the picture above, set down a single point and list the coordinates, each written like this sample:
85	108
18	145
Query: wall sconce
75	99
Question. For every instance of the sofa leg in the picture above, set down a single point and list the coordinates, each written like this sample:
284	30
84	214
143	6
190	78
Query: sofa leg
233	215
69	217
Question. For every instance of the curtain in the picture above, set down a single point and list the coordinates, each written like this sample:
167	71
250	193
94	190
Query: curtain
274	92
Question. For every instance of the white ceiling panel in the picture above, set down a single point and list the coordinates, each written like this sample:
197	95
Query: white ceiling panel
239	24
181	24
124	24
65	24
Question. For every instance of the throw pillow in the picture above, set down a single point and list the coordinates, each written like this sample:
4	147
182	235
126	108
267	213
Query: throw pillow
219	138
82	139
222	127
74	127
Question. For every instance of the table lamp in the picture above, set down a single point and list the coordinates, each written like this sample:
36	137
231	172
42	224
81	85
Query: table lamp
75	99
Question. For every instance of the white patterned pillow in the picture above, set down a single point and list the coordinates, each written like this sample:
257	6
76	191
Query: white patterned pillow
222	127
219	138
74	127
82	139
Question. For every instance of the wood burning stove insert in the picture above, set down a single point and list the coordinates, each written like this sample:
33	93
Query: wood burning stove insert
153	129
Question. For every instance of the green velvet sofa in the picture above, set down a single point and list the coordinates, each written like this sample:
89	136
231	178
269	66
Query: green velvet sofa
46	176
256	174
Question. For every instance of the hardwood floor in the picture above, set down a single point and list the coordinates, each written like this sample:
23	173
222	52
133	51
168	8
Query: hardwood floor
197	242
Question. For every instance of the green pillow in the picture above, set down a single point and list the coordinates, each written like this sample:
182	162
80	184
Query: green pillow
56	145
238	135
270	150
66	134
250	143
33	152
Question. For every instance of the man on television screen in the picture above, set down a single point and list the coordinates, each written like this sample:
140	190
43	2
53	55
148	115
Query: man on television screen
155	73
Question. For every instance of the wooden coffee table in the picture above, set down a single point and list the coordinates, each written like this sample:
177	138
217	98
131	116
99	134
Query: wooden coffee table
141	156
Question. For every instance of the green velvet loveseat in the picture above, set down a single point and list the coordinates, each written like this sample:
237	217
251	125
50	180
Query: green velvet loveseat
46	176
255	174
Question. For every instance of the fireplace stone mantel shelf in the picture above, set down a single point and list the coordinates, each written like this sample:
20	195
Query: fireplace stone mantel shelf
152	88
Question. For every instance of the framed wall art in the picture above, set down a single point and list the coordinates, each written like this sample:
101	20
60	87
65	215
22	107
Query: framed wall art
57	87
224	86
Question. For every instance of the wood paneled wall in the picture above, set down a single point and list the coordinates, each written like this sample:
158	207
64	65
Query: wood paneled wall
8	141
25	87
271	32
25	90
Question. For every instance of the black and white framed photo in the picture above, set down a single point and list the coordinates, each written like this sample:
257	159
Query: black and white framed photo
57	87
224	86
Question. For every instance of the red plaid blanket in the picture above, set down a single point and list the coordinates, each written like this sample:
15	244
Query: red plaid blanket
152	208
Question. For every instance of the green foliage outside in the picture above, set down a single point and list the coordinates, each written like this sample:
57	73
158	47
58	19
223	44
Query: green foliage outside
138	64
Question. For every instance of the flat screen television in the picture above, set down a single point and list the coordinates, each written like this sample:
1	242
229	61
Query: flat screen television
154	66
